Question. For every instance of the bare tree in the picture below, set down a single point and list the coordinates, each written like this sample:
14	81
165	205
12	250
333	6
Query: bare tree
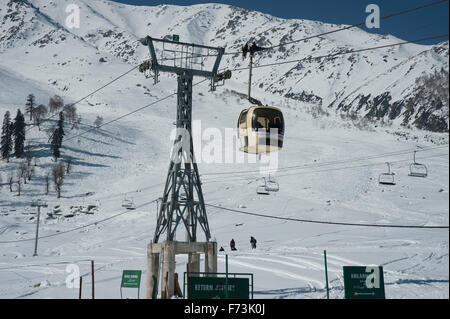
50	130
76	123
70	113
55	104
69	162
39	114
30	172
47	182
21	174
22	171
98	122
19	182
10	181
58	173
28	154
29	162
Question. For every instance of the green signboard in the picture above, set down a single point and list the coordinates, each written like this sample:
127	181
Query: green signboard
364	283
175	38
214	288
131	279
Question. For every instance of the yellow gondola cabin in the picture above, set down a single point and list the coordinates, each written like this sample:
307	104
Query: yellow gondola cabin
261	130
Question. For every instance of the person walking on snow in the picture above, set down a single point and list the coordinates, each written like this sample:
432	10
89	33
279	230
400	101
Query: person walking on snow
233	245
253	242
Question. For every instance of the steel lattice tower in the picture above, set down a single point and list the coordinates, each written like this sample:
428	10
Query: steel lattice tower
182	200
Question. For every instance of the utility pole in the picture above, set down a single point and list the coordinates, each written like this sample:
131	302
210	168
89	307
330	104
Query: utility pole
39	203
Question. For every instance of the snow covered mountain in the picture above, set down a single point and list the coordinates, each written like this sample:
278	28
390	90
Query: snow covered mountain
379	85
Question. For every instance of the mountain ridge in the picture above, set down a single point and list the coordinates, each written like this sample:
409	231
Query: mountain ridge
356	83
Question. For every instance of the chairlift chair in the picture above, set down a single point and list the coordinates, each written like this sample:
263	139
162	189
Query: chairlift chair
272	185
417	169
262	189
387	178
128	204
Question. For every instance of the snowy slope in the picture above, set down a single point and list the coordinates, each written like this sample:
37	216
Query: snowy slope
39	55
129	158
11	99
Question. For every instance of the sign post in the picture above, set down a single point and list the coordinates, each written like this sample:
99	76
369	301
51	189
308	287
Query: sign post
364	282
131	279
203	286
39	203
219	288
175	38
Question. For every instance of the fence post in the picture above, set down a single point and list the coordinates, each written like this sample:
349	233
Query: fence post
81	285
93	279
226	279
187	281
326	273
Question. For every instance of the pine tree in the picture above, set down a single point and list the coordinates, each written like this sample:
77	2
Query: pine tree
61	127
19	134
30	106
55	144
39	115
6	144
57	137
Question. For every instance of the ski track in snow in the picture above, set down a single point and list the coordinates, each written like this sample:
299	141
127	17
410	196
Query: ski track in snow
279	273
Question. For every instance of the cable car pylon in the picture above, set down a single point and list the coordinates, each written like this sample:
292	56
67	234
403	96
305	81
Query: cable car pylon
182	201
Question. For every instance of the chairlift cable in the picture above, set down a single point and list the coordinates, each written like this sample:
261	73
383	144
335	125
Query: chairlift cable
128	114
275	217
260	66
343	53
85	97
326	222
343	161
300	40
360	24
348	27
316	171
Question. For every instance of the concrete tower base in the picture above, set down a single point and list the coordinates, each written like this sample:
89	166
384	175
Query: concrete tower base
167	251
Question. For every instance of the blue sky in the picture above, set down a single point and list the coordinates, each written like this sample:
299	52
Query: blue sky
424	23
